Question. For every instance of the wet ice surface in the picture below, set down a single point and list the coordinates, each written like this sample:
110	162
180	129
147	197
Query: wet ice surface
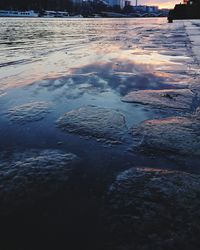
193	29
32	175
62	83
100	123
73	63
175	98
160	204
175	134
28	112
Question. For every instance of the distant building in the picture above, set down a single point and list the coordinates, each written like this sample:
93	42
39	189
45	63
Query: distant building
120	3
77	2
151	9
127	3
145	9
140	8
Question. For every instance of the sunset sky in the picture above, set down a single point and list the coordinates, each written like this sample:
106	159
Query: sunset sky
160	3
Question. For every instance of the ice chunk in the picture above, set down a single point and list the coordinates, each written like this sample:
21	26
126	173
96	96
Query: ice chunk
169	98
153	209
179	135
27	177
97	122
29	112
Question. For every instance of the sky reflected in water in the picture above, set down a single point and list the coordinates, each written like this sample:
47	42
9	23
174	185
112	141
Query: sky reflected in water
40	49
77	62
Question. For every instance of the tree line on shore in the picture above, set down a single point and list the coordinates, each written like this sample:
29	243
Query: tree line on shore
86	8
36	4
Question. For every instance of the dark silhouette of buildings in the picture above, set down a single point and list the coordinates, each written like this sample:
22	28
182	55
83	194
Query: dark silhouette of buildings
189	10
35	4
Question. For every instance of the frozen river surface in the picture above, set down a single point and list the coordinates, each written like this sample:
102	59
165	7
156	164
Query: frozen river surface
77	93
50	67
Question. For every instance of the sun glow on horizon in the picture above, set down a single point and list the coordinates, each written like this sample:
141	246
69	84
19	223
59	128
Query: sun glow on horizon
162	4
168	5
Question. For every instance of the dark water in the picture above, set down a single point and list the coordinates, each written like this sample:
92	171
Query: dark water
73	63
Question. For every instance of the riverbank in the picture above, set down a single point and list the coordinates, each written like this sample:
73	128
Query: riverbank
177	133
99	132
193	31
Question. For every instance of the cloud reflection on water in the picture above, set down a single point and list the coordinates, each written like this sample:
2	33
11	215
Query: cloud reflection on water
103	54
122	76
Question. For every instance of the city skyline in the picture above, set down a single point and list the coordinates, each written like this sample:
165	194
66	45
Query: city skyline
159	3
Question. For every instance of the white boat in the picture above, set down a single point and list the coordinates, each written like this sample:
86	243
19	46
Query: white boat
53	13
16	13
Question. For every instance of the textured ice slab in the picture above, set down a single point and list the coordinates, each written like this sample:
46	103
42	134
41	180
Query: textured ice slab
193	31
175	134
32	175
154	209
170	98
100	123
29	112
2	93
